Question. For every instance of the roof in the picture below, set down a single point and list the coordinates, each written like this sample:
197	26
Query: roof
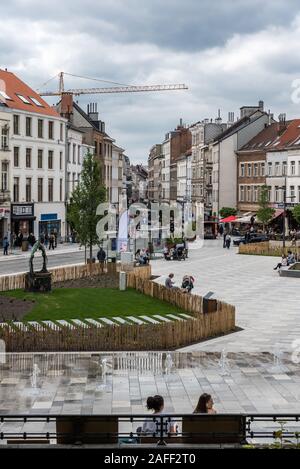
240	124
13	90
276	137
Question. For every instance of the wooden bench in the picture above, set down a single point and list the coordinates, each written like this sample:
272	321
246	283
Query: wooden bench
87	430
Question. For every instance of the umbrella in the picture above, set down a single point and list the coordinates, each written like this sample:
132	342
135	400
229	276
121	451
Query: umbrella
229	219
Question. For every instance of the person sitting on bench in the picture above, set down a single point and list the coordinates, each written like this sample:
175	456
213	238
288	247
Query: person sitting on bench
205	405
156	403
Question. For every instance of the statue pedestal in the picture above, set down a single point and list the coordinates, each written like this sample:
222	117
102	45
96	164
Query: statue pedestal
38	282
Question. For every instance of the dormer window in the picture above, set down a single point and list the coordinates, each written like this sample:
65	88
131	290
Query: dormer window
23	99
5	96
36	102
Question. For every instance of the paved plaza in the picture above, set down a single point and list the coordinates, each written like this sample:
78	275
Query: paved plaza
267	306
120	382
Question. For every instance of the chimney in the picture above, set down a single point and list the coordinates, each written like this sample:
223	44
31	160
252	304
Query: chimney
92	111
230	118
261	105
66	105
218	120
282	123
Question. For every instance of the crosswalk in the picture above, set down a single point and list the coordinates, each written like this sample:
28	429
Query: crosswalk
99	322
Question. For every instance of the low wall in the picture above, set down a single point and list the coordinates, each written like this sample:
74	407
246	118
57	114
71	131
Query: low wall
265	249
163	336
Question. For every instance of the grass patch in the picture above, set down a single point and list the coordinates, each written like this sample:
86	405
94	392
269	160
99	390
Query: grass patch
80	303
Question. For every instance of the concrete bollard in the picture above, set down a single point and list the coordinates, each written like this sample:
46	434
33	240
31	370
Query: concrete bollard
122	281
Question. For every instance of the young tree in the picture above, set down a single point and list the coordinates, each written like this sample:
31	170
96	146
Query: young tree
85	199
227	212
296	213
265	212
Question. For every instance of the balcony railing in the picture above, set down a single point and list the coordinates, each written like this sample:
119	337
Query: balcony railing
187	429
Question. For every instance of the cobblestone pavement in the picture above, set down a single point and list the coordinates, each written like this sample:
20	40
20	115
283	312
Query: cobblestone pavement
267	306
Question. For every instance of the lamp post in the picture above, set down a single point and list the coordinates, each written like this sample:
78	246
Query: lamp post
284	211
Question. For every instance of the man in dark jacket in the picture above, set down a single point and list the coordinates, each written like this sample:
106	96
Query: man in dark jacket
101	256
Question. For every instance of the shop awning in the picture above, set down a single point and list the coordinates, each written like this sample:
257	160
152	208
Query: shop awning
246	218
278	212
229	219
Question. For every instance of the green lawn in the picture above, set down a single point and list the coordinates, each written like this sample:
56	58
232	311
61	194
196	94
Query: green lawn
80	303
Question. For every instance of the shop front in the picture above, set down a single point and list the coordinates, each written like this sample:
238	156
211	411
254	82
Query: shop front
22	219
4	222
49	223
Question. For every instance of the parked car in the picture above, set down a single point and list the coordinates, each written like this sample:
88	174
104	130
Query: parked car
254	238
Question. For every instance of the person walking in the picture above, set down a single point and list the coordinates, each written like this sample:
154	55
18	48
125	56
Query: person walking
224	238
205	405
55	237
5	246
51	241
228	241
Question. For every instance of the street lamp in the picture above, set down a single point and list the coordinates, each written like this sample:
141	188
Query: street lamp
284	210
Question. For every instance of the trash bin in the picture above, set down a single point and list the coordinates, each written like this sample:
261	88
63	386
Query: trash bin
25	245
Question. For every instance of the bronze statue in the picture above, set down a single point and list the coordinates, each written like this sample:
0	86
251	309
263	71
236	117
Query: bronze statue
38	245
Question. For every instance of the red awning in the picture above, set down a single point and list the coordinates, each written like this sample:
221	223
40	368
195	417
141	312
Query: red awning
278	212
228	219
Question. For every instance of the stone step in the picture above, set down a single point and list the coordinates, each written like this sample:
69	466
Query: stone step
79	323
186	316
64	323
34	324
20	325
174	317
93	322
162	318
135	320
107	321
120	320
149	319
50	324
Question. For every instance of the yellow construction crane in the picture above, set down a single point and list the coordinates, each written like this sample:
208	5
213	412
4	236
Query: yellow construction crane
107	90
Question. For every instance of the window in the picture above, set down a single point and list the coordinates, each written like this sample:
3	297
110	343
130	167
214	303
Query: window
284	168
50	159
255	194
4	137
61	190
50	190
269	193
40	189
40	159
249	198
242	193
277	194
96	147
293	166
28	126
36	102
61	132
28	189
277	168
249	170
16	124
298	193
262	169
16	156
69	152
4	176
60	160
28	157
79	154
40	128
23	99
292	193
5	96
74	153
269	169
16	189
255	169
50	130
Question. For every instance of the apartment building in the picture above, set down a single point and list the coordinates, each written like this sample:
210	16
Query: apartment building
35	166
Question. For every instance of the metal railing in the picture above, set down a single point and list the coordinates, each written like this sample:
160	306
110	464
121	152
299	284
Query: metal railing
121	430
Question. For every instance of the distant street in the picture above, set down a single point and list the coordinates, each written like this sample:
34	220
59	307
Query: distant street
18	263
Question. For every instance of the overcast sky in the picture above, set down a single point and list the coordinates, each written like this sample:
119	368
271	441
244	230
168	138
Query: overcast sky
229	52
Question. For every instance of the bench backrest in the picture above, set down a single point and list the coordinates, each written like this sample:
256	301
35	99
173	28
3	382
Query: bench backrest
87	430
213	429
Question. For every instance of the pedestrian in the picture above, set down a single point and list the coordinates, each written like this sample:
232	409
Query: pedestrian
169	281
31	239
55	237
221	230
224	238
101	255
5	246
51	241
283	263
228	240
187	283
205	405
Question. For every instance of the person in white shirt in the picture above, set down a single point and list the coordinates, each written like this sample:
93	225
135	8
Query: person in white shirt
156	403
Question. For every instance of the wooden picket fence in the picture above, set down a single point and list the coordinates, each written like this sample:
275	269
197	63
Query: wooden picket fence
123	337
265	249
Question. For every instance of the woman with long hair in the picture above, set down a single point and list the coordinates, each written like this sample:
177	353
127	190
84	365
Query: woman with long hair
205	405
156	404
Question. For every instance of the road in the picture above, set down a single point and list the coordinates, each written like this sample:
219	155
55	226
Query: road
19	263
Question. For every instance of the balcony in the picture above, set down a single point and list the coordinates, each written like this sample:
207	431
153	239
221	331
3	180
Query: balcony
4	196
